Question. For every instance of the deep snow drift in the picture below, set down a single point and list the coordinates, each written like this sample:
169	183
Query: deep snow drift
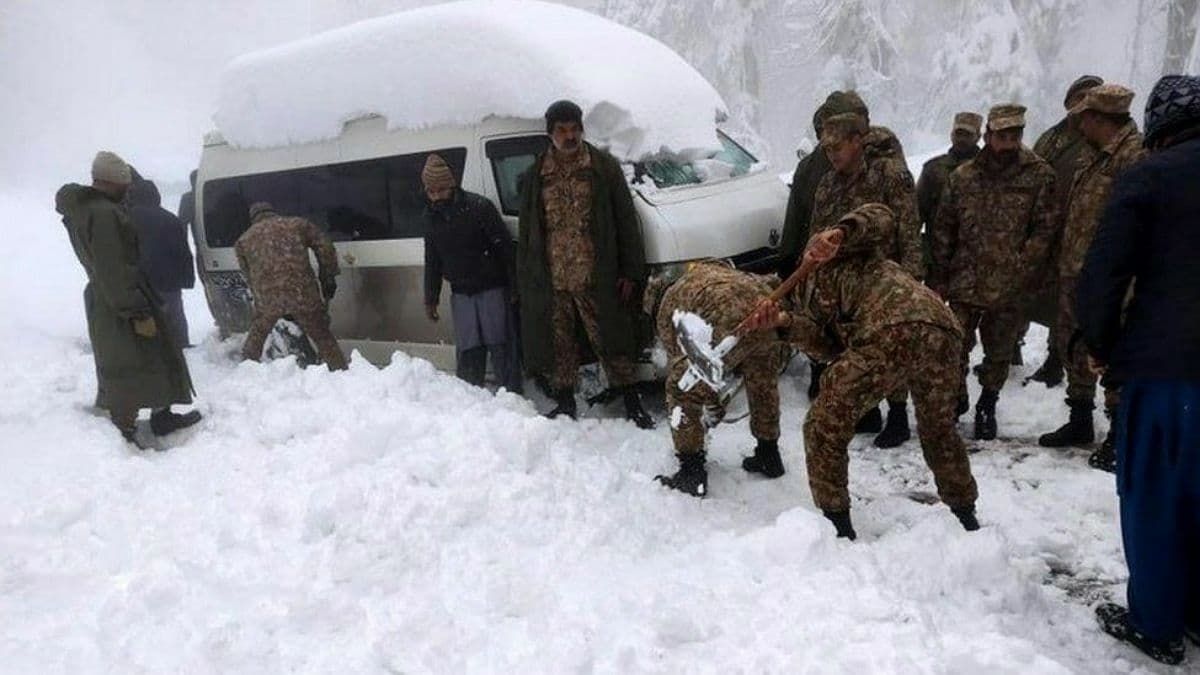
396	520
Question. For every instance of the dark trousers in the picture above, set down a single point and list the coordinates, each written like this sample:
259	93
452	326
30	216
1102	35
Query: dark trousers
471	365
1158	480
177	326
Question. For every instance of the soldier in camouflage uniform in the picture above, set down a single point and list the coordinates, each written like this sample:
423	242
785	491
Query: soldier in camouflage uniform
964	145
273	254
993	232
722	296
1104	121
858	179
1064	148
882	330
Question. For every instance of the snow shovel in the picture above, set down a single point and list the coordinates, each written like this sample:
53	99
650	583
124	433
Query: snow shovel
706	362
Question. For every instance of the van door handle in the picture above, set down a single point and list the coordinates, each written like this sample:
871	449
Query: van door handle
349	258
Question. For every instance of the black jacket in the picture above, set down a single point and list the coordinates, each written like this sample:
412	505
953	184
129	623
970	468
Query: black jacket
467	244
1149	236
163	252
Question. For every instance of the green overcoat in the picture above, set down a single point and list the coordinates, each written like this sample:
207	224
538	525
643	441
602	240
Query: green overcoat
619	250
133	372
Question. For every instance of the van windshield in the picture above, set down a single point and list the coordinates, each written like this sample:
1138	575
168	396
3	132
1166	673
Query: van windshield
731	161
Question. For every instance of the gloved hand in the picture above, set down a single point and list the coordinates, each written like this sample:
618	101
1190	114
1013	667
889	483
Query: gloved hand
328	288
145	327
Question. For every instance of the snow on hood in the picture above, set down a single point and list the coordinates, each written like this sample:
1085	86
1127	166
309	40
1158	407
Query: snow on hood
461	62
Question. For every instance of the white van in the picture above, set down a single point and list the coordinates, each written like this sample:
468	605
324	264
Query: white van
363	188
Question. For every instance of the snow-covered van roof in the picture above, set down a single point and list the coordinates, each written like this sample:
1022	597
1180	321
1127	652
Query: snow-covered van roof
459	63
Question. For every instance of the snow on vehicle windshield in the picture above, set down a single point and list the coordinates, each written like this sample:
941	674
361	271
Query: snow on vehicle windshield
461	62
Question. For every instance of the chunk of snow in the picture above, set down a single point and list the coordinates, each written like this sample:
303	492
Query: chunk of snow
461	62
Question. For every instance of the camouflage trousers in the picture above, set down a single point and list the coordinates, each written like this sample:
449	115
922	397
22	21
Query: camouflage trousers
315	326
921	356
1081	381
998	330
757	360
569	308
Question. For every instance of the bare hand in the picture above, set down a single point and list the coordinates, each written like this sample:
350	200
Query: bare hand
145	327
625	288
823	246
765	316
431	312
1097	367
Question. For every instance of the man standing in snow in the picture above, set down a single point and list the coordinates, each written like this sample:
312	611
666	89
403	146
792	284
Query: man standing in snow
1064	148
467	244
273	254
580	260
1148	240
883	331
964	145
1103	118
722	296
862	176
164	254
136	364
993	232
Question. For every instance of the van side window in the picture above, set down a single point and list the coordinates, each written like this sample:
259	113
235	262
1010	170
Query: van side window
371	199
511	158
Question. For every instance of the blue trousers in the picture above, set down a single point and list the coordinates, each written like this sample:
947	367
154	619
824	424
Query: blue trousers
1158	480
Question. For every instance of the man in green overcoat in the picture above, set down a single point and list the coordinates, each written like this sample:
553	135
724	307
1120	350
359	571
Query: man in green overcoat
580	264
137	365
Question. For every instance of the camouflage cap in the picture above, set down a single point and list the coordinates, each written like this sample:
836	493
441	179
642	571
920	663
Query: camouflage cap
261	210
1112	99
657	287
1082	84
842	126
837	103
968	121
1006	116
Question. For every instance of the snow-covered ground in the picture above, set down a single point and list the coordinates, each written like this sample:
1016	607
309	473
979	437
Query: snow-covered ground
397	520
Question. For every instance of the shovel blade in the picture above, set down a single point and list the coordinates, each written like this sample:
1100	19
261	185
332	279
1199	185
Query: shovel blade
704	362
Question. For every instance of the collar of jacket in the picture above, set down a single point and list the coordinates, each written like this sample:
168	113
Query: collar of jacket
581	160
1118	140
989	163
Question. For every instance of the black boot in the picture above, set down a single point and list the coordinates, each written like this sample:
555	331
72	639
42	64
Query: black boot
966	516
870	423
564	401
985	415
841	521
896	431
814	379
634	412
163	422
1051	372
1077	431
766	460
964	404
1017	358
691	478
1114	620
1105	458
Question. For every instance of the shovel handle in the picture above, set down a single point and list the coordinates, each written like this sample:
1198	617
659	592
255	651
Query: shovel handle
806	267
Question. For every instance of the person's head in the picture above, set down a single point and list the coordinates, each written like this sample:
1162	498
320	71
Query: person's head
1078	88
965	134
1172	109
1005	129
111	174
438	179
564	125
260	211
842	141
1102	112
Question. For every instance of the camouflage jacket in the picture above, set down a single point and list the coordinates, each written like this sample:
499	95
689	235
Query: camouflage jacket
993	230
881	180
273	254
809	172
567	196
1065	150
1089	193
933	180
848	301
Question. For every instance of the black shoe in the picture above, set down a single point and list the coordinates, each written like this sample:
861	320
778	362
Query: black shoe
163	422
966	516
1105	459
1050	374
814	379
896	431
634	412
1078	431
985	416
691	478
870	423
1017	358
841	521
766	460
1114	620
964	404
1193	633
564	405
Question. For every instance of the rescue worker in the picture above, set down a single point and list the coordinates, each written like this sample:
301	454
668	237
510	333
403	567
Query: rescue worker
580	263
881	330
137	364
993	232
273	254
964	145
1103	119
722	297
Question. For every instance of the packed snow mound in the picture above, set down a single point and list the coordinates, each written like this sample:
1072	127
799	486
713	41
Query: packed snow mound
461	62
